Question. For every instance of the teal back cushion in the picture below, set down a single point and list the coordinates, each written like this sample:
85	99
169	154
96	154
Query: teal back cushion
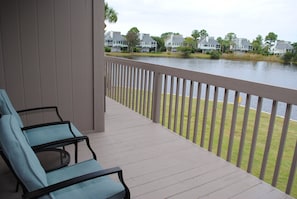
6	107
20	155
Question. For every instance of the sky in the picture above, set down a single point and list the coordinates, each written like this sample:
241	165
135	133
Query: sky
245	18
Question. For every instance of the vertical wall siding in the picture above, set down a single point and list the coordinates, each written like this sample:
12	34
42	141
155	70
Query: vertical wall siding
2	78
46	56
82	52
11	53
30	55
63	56
46	49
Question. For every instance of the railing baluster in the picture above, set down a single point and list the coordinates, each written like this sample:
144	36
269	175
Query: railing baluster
233	126
113	83
123	83
127	86
282	144
244	127
197	112
204	124
157	97
181	129
133	88
292	171
150	90
118	83
140	90
222	126
164	100
176	104
110	79
255	135
144	92
268	140
170	101
106	68
190	109
213	119
137	90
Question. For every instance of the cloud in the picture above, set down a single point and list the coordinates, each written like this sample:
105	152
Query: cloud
246	18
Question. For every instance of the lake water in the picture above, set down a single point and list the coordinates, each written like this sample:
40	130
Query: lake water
262	72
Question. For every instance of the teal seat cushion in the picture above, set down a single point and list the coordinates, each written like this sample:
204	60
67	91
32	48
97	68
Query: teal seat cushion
6	107
103	187
46	134
20	155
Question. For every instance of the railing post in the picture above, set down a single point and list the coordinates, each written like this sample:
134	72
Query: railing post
157	87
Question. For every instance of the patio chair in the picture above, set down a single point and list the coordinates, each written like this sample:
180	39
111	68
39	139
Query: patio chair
85	179
53	134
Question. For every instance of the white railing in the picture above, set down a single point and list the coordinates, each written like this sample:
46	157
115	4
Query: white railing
238	120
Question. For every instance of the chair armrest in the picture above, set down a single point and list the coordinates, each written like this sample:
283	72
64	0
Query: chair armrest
47	124
59	143
42	108
65	142
86	177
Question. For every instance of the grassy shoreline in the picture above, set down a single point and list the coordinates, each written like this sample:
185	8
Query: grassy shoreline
229	56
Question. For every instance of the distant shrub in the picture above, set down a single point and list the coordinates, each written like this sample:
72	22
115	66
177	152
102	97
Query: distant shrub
185	50
215	55
287	57
107	49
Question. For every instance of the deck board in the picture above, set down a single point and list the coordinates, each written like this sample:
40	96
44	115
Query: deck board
160	164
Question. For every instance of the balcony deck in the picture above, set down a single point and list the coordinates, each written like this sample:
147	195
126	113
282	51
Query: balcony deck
159	164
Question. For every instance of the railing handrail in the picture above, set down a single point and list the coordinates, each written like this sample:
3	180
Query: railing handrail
286	95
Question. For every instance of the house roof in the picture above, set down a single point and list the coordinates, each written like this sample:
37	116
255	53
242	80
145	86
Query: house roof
146	38
175	38
283	45
115	36
208	41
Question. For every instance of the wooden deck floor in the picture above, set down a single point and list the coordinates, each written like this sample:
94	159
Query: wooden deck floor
159	164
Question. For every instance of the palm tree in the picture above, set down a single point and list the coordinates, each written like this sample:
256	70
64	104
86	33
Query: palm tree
110	14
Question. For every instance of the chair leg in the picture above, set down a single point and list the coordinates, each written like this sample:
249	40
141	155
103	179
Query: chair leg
17	187
75	155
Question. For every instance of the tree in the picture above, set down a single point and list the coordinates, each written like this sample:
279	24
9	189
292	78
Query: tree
270	39
196	36
230	36
166	34
291	57
203	33
258	45
110	14
295	52
160	44
224	44
189	42
132	38
229	40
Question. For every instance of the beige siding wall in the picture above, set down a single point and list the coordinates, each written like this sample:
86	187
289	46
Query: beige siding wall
47	57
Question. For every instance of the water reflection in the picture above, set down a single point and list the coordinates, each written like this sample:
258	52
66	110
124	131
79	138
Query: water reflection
262	72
